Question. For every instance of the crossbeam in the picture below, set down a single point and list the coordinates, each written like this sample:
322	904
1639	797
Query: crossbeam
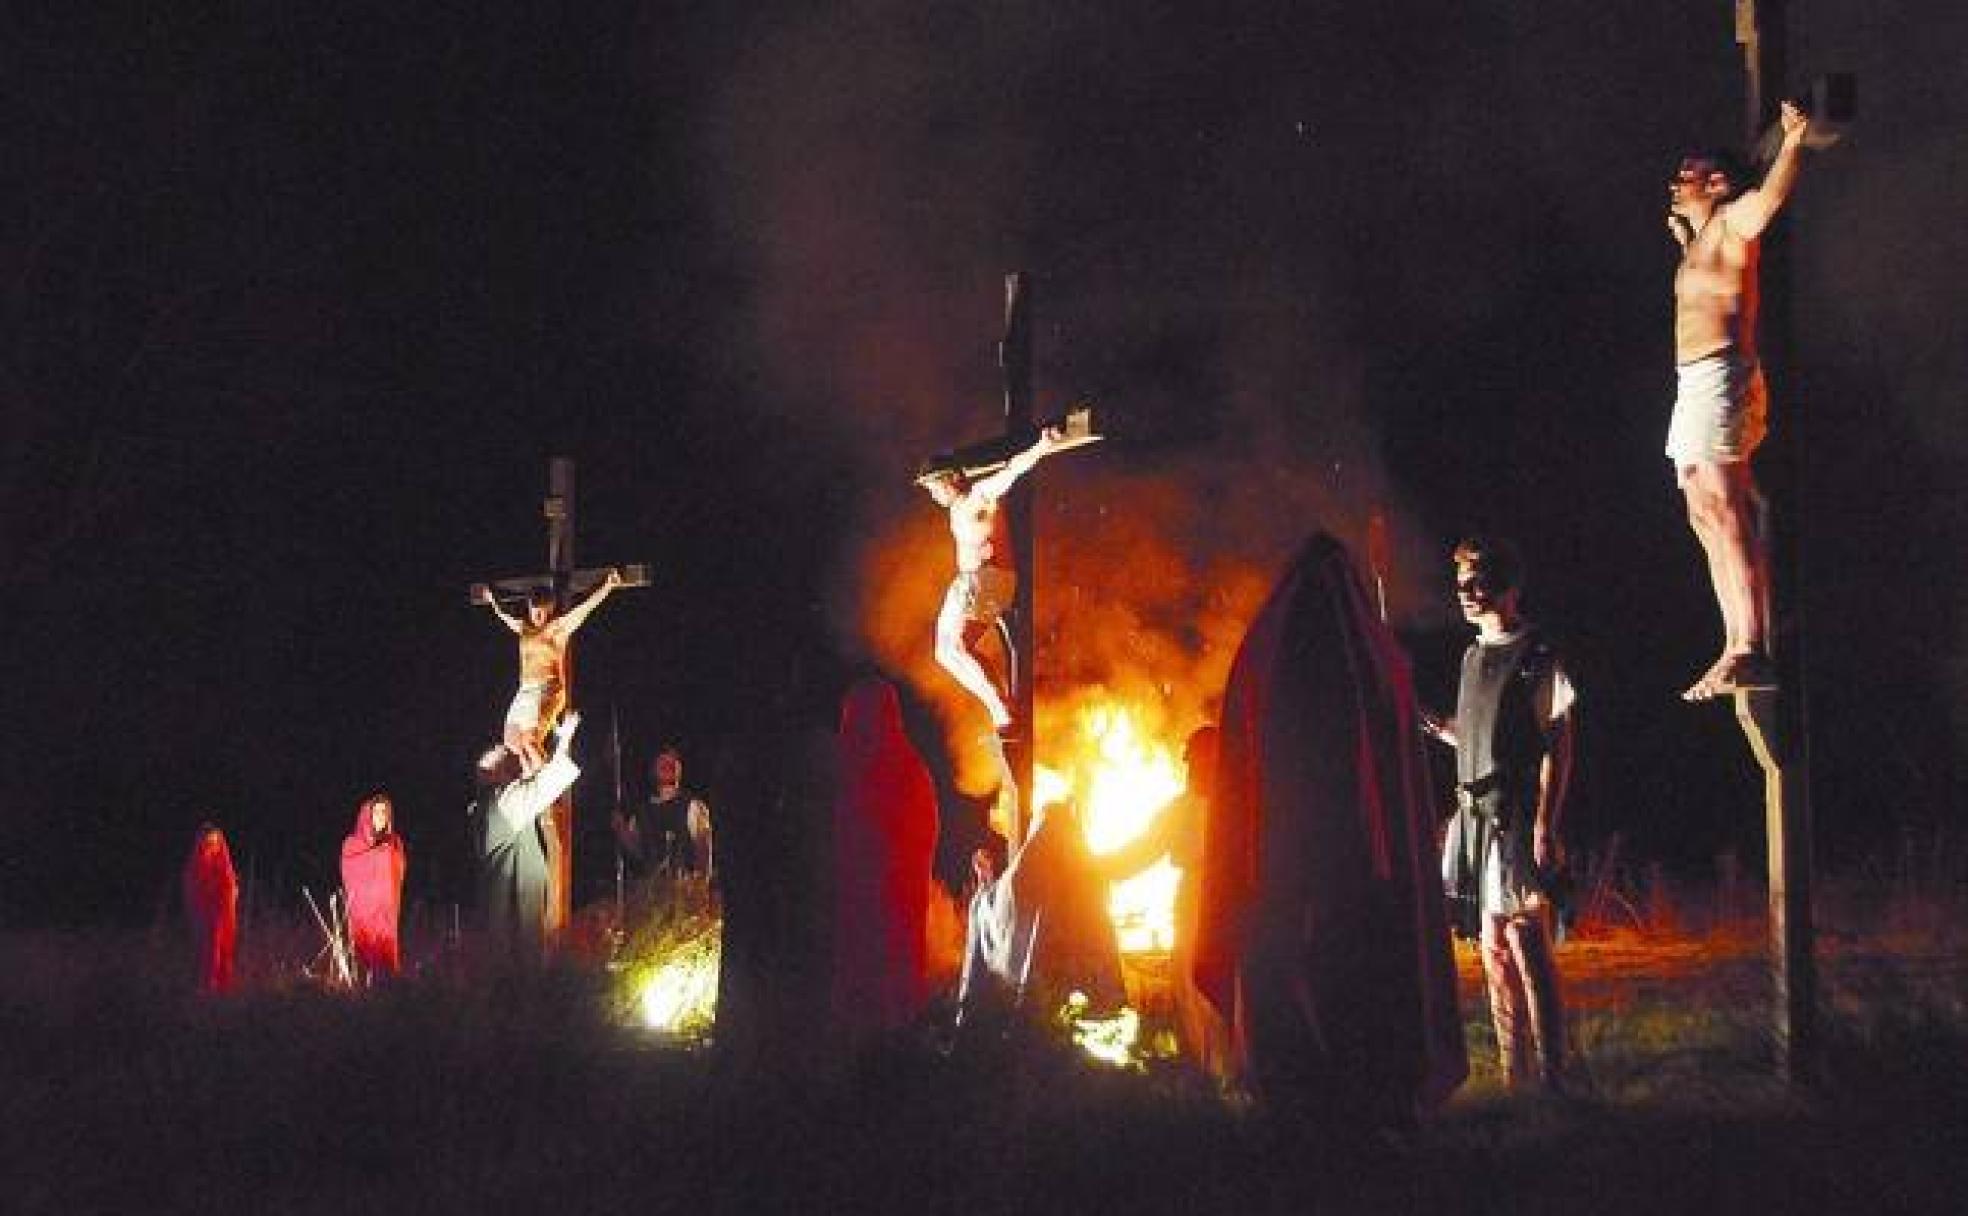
988	456
579	583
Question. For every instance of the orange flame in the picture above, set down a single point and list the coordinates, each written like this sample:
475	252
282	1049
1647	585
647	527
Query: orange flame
1123	779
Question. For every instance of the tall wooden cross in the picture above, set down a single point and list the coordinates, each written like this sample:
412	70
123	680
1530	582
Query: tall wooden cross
1775	721
569	585
981	459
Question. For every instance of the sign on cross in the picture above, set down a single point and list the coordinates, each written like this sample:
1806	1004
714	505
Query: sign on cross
569	585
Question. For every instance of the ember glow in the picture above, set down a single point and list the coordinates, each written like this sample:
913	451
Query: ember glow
1122	780
1109	1040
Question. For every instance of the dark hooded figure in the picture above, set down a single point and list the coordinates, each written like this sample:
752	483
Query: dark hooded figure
211	903
374	860
1039	931
1202	1031
776	800
884	845
1323	938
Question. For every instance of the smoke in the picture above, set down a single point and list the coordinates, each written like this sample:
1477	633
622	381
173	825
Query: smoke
1195	273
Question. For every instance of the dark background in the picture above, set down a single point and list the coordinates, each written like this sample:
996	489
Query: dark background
298	307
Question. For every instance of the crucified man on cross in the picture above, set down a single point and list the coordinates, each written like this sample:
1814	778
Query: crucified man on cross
987	574
542	691
1721	404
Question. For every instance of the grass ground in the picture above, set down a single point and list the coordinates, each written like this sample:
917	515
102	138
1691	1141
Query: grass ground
456	1093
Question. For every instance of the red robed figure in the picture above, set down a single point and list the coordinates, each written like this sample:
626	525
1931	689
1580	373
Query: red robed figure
1324	938
884	842
374	860
211	903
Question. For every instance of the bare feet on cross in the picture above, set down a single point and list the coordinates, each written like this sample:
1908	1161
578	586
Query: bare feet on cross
1742	671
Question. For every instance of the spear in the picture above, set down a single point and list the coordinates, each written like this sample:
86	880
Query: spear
335	950
1377	558
615	755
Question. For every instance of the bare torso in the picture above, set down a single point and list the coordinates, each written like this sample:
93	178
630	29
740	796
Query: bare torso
1715	293
978	526
542	654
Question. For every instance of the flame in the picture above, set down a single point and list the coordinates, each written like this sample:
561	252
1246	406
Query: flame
1124	779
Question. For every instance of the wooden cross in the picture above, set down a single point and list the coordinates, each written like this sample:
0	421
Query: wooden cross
569	585
983	458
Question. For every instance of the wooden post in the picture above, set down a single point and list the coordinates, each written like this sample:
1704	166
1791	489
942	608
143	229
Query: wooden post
1015	364
569	584
559	511
1774	722
1787	827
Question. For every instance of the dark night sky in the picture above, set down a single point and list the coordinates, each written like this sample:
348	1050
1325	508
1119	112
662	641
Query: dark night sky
298	309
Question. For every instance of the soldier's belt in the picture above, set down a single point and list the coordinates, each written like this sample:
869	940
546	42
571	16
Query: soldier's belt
1471	795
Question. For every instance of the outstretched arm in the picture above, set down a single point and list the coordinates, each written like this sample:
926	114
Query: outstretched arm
508	619
581	611
1750	214
998	484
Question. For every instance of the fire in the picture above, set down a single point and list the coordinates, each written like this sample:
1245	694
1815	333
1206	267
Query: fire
1123	780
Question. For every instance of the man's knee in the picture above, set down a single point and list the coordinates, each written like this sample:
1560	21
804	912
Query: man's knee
1527	935
956	658
1710	508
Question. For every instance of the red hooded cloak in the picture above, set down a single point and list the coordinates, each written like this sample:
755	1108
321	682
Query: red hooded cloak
884	845
1323	937
211	902
373	865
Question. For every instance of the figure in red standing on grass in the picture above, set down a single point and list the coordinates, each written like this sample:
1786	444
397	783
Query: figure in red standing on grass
211	902
884	844
374	861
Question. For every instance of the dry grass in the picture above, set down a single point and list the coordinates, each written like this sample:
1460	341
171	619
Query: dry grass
465	1090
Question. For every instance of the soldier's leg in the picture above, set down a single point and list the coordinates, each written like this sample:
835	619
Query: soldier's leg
1508	1011
1531	943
